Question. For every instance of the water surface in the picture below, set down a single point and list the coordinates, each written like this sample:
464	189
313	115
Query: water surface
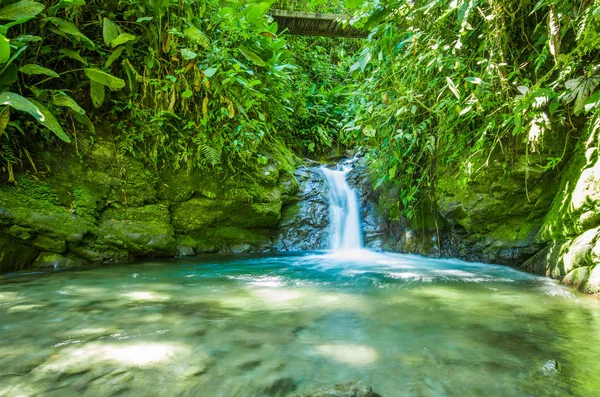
281	325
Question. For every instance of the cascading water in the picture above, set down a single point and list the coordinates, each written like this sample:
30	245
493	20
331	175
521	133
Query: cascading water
344	229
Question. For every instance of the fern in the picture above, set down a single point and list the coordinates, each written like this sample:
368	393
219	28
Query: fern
211	155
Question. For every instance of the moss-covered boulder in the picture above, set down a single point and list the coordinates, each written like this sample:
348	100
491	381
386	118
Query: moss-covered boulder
143	231
14	255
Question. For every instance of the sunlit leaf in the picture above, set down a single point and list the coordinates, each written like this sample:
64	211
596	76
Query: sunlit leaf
4	49
110	31
21	9
122	39
37	69
100	77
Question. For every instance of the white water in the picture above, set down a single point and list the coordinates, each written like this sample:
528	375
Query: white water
344	219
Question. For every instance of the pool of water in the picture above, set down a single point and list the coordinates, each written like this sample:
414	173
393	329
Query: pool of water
282	325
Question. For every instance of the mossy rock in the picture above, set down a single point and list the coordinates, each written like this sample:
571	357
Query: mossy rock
199	213
231	239
15	255
142	231
51	260
32	206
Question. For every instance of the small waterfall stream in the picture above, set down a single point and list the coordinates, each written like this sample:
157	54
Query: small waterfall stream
344	229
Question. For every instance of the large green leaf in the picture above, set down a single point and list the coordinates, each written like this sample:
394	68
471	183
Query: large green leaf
251	56
20	103
97	92
50	122
256	11
122	39
74	55
21	9
70	29
37	69
66	101
197	36
110	31
113	57
580	90
35	109
105	79
4	50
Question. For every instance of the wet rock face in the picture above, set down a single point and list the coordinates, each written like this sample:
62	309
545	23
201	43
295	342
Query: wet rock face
373	224
305	221
350	389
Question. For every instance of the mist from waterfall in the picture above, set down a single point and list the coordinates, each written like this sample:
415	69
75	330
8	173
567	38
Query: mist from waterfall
344	216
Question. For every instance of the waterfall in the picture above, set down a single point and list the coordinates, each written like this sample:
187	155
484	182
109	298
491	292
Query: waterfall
344	227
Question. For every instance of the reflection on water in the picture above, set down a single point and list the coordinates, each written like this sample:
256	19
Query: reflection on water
280	325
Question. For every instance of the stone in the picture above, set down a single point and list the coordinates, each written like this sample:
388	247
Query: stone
141	231
184	250
350	389
281	386
15	255
304	221
551	367
51	260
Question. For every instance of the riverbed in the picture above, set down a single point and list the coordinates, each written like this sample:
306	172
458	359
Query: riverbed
281	325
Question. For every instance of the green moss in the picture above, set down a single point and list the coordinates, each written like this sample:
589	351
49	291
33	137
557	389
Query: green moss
33	190
141	230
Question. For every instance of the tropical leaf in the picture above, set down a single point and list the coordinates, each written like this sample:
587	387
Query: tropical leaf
122	39
105	79
580	90
188	54
74	55
113	57
64	100
110	31
97	93
69	29
251	56
211	155
21	104
255	11
32	69
197	36
453	88
20	10
210	72
4	50
50	122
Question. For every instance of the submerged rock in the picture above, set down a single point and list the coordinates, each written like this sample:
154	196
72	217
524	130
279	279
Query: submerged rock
551	367
350	389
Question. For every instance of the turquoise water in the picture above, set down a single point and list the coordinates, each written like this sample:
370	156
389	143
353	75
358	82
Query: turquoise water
282	325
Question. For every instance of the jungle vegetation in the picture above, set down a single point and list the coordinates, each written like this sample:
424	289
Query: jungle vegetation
212	84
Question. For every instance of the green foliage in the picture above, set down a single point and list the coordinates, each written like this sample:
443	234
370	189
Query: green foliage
445	82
